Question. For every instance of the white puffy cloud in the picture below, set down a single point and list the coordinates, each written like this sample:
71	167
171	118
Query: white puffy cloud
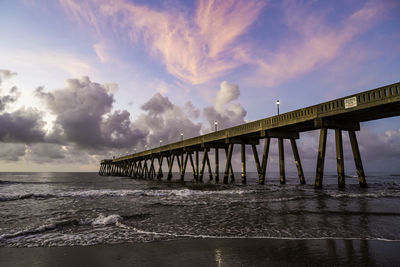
165	121
226	109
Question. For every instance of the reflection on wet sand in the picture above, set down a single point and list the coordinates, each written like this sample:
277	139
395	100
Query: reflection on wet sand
213	252
329	252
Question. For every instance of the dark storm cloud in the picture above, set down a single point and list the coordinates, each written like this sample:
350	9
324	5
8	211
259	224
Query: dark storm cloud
82	111
23	125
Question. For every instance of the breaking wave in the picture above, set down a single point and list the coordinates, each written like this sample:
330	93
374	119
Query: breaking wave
101	220
120	193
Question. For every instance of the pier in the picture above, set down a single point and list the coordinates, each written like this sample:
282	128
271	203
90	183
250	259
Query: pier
343	114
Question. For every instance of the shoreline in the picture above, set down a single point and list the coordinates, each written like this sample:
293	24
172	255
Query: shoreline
212	252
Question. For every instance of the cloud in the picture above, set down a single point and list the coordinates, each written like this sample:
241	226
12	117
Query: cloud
157	104
11	152
100	50
22	126
83	116
118	132
205	46
6	74
227	110
45	152
314	40
194	50
12	97
61	155
86	125
13	94
165	121
48	61
375	146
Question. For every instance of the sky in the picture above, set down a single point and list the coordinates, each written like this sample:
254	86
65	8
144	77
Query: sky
84	80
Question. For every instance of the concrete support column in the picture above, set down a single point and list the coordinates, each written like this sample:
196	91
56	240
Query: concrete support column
357	159
243	156
228	165
184	166
134	169
281	161
257	161
297	160
179	164
151	173
193	167
216	165
181	169
321	158
146	169
171	163
203	164
264	161
160	162
339	158
209	168
197	165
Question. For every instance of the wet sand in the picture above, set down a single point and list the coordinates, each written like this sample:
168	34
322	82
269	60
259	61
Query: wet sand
212	252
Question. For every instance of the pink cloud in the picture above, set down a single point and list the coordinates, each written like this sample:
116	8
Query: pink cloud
100	50
203	47
194	50
316	41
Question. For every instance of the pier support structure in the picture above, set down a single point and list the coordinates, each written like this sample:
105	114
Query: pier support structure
145	167
350	127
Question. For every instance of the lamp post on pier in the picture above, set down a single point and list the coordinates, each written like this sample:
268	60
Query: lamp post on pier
216	125
277	104
145	147
182	137
160	142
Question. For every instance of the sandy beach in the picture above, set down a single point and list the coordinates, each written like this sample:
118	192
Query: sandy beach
212	252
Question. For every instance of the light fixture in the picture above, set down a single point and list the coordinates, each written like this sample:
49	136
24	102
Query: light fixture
277	104
216	125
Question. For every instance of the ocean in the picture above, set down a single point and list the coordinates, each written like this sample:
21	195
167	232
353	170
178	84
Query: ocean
81	209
